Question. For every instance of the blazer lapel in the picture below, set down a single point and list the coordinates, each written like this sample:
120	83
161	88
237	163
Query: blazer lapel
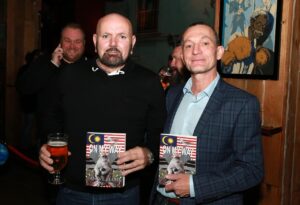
212	106
174	101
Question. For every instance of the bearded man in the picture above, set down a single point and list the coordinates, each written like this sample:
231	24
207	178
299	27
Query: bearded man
107	94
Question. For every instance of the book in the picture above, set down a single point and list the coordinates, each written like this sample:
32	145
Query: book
101	154
177	154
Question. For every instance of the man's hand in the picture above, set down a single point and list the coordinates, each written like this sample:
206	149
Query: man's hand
45	159
180	185
133	160
57	55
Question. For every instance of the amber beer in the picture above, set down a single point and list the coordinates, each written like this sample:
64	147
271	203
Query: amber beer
57	145
59	154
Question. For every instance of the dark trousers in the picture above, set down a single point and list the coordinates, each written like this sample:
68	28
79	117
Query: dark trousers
162	200
70	197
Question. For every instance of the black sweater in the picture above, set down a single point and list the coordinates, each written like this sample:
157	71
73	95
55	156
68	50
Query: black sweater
39	79
90	100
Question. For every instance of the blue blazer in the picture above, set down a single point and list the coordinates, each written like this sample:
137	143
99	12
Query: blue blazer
229	150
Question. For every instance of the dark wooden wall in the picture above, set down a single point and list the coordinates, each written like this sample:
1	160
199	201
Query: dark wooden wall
291	175
22	36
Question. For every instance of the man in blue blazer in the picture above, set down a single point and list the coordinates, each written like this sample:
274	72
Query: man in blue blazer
226	121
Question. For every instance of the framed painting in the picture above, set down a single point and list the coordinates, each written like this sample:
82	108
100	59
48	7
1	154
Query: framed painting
250	32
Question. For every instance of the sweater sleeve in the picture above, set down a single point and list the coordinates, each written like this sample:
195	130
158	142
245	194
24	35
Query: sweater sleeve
155	117
37	76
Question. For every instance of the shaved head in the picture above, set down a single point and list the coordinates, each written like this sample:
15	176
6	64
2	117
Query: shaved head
114	17
114	41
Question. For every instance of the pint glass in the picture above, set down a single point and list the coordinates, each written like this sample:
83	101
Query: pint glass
57	145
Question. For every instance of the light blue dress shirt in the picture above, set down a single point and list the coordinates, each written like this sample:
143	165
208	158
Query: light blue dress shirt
186	118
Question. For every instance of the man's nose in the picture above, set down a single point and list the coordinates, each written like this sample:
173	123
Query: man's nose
73	44
113	41
197	48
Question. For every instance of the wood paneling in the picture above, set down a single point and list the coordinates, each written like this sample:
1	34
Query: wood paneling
22	36
292	163
270	195
272	160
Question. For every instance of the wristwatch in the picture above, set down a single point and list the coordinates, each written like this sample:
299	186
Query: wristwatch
150	157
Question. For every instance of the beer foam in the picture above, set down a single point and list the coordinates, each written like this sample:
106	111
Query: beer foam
57	144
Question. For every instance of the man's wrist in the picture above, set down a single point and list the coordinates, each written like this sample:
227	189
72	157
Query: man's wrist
150	157
57	65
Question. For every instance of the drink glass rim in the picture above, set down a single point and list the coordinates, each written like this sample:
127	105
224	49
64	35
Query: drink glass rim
58	136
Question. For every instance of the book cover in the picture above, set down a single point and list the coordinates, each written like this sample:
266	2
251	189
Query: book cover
101	154
177	154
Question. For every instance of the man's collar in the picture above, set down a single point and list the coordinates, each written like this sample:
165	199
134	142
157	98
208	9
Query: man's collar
116	72
95	67
208	90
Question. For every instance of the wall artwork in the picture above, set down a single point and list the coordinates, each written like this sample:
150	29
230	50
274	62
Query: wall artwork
250	31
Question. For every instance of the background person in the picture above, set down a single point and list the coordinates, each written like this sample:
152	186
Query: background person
179	72
41	74
175	73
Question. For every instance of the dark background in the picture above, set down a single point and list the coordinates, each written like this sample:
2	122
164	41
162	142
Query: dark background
55	14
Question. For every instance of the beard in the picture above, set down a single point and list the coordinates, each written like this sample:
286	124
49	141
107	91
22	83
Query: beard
112	58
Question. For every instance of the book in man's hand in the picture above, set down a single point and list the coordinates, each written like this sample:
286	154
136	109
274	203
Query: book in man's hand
101	154
177	154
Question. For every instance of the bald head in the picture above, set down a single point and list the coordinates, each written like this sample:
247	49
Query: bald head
113	19
114	41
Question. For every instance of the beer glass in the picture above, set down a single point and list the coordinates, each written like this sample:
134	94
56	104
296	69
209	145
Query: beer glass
57	145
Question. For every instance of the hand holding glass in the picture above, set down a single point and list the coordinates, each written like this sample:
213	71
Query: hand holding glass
57	145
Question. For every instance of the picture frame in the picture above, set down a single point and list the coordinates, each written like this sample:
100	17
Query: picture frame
250	34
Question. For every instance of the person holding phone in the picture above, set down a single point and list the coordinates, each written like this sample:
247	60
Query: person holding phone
39	77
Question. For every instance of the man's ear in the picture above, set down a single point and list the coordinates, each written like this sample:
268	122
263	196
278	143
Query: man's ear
182	59
95	42
133	40
220	52
95	39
